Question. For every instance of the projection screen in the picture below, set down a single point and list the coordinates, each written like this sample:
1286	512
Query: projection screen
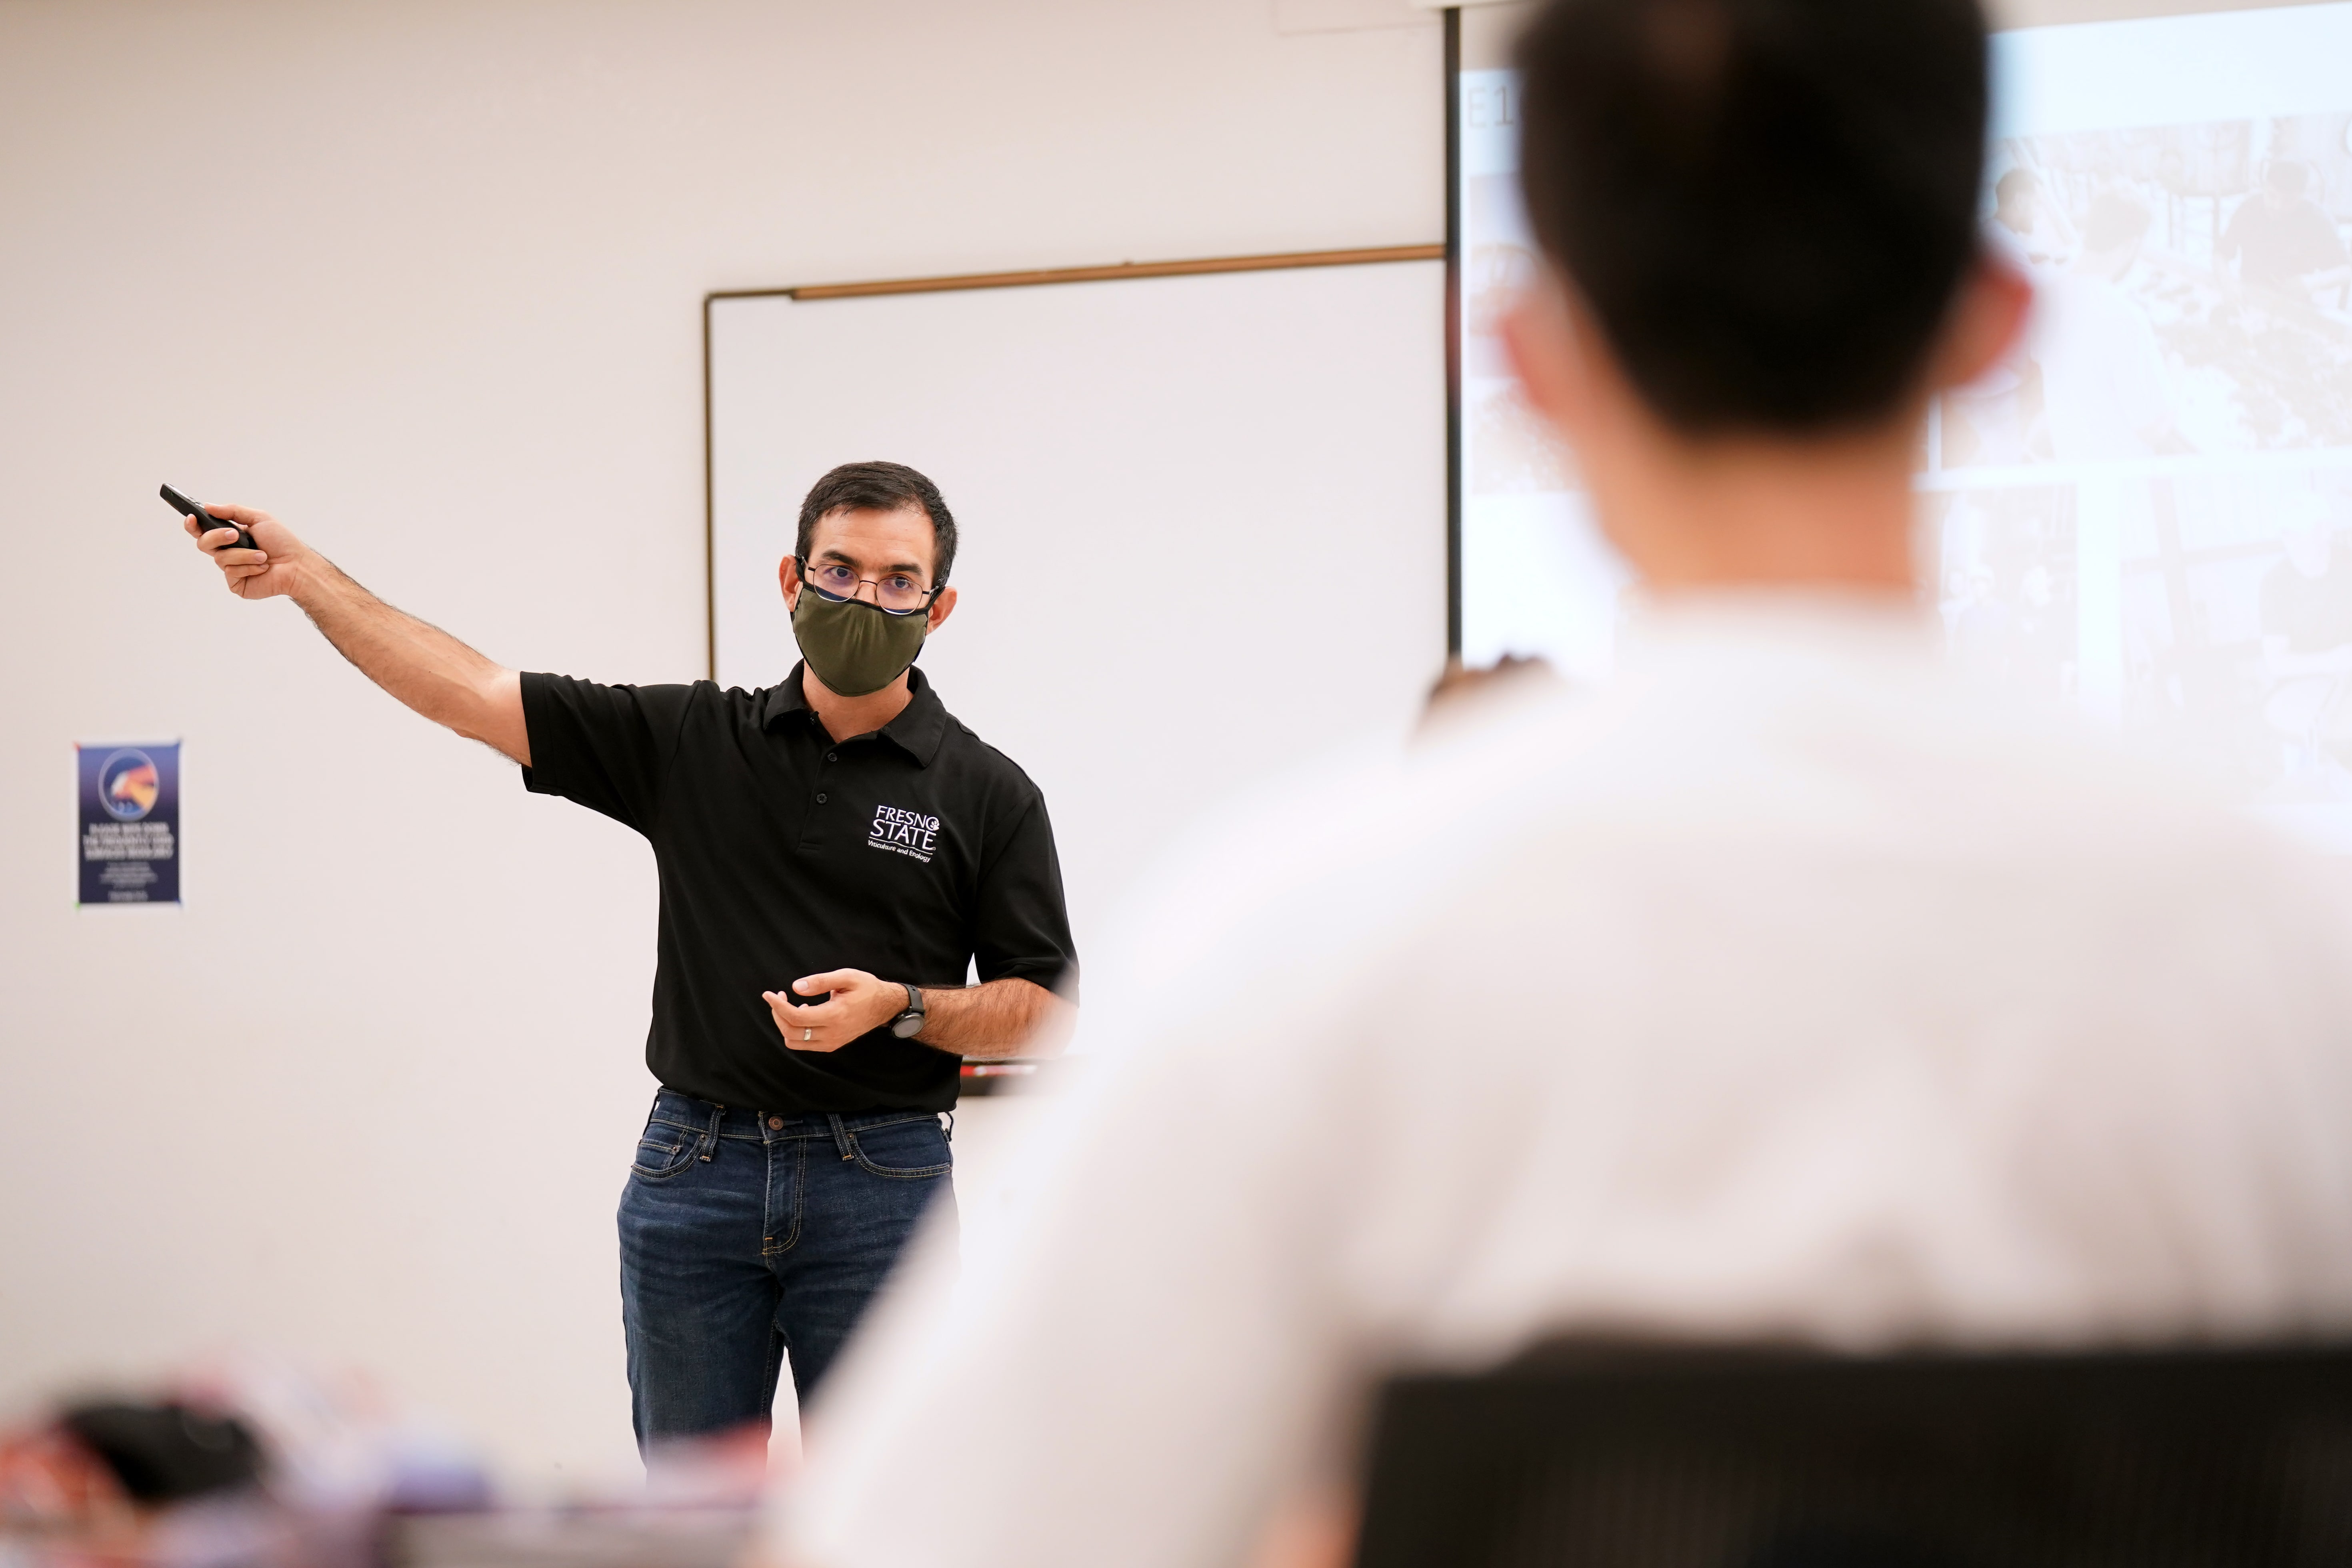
2142	513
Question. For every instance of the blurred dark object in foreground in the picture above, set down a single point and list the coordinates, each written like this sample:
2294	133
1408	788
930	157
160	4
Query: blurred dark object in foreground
1651	1458
255	1464
164	1453
167	1484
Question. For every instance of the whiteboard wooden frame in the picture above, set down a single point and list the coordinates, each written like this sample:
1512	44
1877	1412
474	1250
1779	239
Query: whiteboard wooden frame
1103	274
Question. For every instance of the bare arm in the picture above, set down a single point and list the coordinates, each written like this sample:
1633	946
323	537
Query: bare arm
1000	1018
423	666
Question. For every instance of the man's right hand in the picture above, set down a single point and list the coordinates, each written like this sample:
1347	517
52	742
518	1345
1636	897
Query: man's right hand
272	569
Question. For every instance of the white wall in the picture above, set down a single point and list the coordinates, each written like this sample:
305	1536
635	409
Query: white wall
426	280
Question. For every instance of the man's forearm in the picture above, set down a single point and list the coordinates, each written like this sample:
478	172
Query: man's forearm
1001	1018
423	666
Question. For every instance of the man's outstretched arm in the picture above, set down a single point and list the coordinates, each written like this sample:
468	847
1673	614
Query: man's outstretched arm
421	665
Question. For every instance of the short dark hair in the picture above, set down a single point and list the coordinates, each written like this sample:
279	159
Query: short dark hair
1768	206
880	487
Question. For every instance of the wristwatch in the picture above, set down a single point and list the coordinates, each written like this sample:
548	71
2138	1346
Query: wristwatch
909	1024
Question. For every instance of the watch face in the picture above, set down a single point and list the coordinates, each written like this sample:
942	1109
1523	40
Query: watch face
907	1025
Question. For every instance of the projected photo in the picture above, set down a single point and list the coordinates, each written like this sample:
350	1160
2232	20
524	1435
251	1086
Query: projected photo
2145	512
2213	608
2237	624
1509	450
1537	576
2195	295
2006	580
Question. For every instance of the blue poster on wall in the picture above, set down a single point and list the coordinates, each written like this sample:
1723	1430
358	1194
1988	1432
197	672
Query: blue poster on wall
130	824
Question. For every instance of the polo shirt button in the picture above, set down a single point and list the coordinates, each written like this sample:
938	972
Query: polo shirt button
775	1123
819	799
832	756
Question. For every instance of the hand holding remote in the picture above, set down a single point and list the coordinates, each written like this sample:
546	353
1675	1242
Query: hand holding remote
197	514
258	556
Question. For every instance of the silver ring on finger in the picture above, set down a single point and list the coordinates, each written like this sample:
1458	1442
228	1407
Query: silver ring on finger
807	1035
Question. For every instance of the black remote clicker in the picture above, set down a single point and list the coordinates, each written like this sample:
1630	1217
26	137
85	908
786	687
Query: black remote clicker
189	509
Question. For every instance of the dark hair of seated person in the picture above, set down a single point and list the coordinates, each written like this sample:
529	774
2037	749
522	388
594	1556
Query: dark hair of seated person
1766	206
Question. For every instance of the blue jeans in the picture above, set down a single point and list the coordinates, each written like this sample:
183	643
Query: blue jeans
746	1237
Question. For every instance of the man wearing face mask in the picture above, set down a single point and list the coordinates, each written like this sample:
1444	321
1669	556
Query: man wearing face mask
837	854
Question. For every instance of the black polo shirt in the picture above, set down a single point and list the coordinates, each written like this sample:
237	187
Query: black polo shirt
911	853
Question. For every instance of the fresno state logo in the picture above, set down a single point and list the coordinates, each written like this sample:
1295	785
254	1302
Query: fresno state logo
909	833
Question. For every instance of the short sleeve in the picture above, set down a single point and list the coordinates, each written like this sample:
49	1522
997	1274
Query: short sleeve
609	748
1021	928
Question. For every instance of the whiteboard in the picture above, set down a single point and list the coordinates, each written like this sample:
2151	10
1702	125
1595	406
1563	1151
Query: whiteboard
1202	518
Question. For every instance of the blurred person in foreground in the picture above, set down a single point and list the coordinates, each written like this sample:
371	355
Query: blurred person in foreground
1794	987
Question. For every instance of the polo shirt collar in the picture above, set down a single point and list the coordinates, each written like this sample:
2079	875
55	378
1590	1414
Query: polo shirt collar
918	729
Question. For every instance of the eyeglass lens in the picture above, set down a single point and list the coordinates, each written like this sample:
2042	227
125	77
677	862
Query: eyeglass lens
895	591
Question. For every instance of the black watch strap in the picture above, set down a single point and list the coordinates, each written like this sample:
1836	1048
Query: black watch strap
909	1024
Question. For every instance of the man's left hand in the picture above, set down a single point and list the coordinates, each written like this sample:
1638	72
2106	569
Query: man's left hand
859	1005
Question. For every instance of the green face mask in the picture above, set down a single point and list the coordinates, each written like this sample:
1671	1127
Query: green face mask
852	646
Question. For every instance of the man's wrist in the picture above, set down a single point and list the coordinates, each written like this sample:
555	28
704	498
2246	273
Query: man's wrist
315	578
908	1019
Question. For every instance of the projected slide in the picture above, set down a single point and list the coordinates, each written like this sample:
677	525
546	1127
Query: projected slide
2145	511
1537	576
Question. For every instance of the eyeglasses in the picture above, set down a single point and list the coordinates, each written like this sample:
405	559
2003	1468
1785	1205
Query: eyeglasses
894	594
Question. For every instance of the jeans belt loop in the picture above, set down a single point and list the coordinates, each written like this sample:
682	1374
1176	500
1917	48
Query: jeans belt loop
710	1134
840	1135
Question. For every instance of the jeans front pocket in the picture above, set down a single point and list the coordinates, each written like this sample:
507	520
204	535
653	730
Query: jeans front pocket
914	1150
663	1150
